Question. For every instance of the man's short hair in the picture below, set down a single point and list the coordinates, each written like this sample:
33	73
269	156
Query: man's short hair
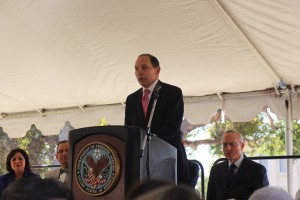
153	59
235	132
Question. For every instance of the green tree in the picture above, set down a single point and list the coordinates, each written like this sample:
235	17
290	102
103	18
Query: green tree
260	138
4	150
40	148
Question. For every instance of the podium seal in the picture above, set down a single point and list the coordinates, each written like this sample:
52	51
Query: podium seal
97	169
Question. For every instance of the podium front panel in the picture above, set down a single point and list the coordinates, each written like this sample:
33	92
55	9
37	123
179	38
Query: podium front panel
105	161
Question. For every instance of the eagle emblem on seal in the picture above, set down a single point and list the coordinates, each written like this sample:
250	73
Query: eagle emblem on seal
94	172
97	168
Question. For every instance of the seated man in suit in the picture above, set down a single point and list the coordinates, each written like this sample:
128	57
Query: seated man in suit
237	177
62	155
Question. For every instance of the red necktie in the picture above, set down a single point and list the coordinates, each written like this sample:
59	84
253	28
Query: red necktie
145	101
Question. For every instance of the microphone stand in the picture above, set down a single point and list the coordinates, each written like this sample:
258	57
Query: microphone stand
147	138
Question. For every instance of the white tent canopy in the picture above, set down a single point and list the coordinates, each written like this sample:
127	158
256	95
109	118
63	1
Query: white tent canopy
72	60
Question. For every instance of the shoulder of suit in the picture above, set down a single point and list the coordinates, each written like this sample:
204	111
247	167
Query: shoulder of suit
134	94
248	161
169	85
170	88
5	176
221	164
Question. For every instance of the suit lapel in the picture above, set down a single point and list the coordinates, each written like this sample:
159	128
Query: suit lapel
224	174
242	169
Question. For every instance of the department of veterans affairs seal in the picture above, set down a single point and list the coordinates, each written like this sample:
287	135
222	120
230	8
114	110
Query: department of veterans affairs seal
97	168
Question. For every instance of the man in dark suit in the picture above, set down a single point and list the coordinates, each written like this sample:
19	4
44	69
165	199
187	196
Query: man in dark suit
237	177
168	113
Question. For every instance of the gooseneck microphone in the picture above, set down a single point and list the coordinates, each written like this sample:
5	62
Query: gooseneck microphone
156	90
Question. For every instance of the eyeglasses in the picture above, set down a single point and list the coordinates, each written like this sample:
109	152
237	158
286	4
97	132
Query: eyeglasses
62	151
231	144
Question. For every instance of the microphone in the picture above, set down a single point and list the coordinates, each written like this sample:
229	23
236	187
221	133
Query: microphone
156	90
147	138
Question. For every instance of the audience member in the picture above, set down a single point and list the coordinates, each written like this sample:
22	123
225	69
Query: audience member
171	192
168	114
37	189
144	187
180	192
271	193
62	155
237	177
18	167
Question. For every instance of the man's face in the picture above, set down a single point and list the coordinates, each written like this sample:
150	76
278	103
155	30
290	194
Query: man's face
232	147
145	73
62	154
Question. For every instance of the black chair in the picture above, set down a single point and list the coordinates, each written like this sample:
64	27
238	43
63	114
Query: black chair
194	169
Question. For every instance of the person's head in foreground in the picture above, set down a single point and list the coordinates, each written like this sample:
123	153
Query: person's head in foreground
37	189
171	192
271	193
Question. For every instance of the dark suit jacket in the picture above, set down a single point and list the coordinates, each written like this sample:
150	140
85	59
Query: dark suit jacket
249	177
166	120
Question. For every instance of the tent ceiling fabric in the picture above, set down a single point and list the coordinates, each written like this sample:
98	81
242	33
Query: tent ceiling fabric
60	54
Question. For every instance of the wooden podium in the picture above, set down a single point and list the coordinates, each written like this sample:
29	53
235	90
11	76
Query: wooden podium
106	163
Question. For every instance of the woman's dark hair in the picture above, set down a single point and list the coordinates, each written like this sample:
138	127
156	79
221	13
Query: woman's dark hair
11	154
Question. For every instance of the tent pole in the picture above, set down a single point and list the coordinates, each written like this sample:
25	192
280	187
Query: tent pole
289	141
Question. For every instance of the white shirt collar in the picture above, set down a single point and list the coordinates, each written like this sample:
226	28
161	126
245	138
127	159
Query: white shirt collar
238	162
151	87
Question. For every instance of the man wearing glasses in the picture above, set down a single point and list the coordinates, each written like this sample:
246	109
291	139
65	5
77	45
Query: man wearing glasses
62	155
237	177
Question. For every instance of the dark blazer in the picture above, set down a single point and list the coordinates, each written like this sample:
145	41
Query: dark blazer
249	177
166	120
8	178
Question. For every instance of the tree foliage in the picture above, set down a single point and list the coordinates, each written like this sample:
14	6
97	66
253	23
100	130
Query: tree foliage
40	148
260	137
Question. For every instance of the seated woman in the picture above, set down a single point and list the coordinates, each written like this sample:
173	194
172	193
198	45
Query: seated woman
18	166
